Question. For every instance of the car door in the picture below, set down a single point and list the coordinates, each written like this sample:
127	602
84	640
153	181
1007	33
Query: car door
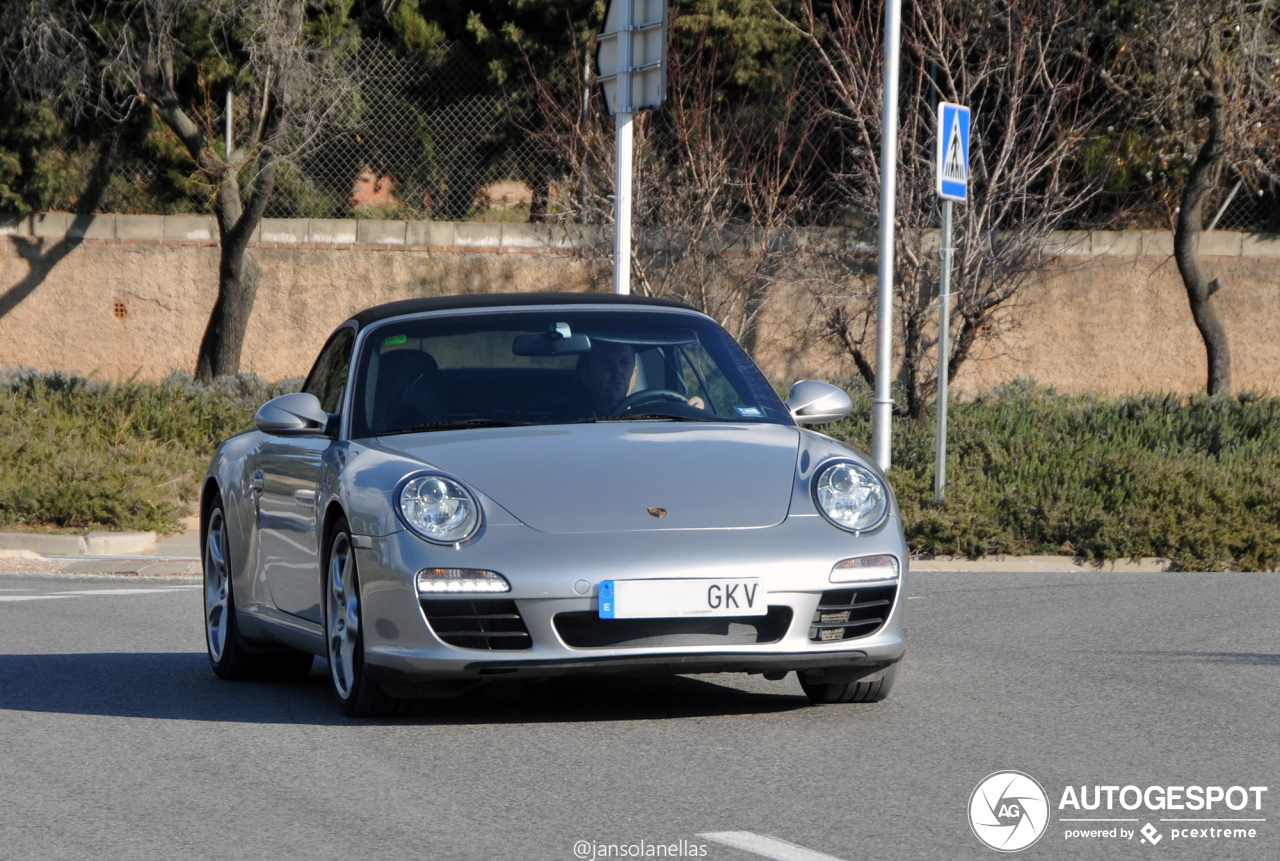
288	472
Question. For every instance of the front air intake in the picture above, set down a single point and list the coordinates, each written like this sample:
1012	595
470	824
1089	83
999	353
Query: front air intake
586	630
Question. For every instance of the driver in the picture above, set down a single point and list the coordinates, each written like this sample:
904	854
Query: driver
608	373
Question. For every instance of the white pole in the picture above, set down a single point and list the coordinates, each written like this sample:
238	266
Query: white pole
228	123
622	160
944	356
586	118
622	205
882	403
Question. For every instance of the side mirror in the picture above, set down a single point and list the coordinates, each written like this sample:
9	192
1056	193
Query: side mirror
297	413
815	403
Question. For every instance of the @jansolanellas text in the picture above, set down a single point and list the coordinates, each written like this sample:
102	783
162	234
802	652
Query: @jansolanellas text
589	850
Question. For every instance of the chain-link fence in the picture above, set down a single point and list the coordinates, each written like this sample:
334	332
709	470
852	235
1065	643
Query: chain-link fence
436	138
1244	206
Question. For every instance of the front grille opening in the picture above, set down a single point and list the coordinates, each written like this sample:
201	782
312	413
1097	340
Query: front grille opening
493	624
844	614
586	630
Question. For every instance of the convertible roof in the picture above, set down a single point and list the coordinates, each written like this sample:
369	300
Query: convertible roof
501	300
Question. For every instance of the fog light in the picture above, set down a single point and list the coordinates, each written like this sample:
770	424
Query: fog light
455	580
865	568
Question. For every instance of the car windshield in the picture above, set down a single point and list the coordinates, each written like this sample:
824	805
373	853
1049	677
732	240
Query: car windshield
554	366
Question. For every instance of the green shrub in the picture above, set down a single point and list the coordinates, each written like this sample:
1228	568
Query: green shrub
77	453
1193	479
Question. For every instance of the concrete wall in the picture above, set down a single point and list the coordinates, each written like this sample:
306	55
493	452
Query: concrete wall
116	296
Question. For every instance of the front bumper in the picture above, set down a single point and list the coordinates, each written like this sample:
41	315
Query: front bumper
793	561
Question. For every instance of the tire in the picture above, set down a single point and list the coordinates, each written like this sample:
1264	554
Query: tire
358	694
869	689
229	654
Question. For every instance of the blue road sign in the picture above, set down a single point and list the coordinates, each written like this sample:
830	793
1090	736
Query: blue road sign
953	151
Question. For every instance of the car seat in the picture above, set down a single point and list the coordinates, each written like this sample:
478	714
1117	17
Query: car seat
408	391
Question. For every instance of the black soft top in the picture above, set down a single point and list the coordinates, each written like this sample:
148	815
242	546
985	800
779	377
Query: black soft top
502	300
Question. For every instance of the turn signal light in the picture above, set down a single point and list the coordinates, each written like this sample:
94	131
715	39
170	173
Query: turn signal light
865	568
457	580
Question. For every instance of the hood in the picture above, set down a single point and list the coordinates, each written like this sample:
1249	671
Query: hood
605	477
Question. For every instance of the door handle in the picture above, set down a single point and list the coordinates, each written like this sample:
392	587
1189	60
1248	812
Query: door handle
258	482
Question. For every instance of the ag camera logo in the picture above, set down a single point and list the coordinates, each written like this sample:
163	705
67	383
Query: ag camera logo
1008	811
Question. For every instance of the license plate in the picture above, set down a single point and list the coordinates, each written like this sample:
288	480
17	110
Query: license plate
668	599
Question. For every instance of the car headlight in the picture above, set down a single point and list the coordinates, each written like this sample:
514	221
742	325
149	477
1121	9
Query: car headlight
439	509
851	496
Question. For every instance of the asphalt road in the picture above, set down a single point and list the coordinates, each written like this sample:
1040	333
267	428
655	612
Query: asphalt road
116	741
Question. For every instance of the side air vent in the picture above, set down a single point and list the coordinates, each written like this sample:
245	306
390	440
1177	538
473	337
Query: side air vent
844	614
491	624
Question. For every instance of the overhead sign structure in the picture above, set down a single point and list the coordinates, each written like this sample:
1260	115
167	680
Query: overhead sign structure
641	27
953	185
633	69
953	152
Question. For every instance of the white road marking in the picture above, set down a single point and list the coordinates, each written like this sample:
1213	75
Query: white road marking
84	593
79	592
769	847
5	598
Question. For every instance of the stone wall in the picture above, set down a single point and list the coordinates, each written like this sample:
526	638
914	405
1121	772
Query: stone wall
119	296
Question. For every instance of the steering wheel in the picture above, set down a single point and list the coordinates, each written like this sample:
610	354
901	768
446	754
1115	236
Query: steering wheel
646	395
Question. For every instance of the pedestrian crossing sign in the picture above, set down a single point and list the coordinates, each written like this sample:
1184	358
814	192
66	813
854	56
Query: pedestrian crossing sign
953	151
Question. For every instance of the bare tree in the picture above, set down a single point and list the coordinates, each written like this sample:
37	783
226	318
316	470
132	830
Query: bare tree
279	58
1200	81
1017	64
721	182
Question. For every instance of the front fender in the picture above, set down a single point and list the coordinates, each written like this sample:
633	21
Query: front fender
366	478
229	474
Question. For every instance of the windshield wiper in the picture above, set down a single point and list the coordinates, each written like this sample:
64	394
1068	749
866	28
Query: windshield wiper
457	425
632	417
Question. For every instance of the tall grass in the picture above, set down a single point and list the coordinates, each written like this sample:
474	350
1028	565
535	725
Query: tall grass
1030	470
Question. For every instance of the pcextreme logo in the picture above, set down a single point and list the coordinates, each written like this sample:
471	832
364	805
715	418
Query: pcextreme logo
1009	811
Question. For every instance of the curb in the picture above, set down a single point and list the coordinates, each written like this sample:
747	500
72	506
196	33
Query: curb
132	566
10	553
94	544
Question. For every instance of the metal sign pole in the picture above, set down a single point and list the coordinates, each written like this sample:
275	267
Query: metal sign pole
622	205
882	403
622	156
952	183
944	356
632	62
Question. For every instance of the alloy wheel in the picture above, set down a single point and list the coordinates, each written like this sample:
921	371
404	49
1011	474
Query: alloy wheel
217	585
342	618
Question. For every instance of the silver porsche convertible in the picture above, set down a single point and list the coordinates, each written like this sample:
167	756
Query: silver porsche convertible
512	487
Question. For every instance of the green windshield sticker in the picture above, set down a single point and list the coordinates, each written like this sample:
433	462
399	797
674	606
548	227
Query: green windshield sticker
394	339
